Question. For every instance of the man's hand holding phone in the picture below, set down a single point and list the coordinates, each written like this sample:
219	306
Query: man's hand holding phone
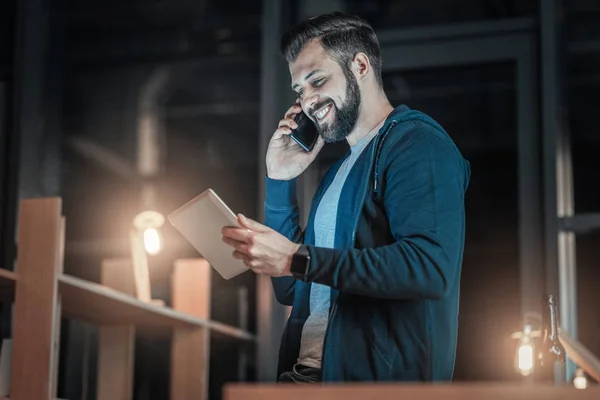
286	159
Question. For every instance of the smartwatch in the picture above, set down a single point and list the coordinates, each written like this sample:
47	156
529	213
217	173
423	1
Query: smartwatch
300	262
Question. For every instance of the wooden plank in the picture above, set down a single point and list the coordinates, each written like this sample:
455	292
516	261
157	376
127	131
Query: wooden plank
100	305
56	348
7	277
8	281
190	348
34	334
140	267
58	314
116	344
457	391
581	355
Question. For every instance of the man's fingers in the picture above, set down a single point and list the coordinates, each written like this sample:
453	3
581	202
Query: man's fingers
249	262
280	132
241	247
238	255
238	234
287	123
293	110
252	225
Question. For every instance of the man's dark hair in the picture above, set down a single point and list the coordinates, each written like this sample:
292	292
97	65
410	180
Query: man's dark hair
340	34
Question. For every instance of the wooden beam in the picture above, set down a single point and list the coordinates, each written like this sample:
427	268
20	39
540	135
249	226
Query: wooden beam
35	310
190	349
116	344
581	355
139	258
58	308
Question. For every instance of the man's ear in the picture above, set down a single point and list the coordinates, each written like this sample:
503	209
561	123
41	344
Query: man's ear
361	66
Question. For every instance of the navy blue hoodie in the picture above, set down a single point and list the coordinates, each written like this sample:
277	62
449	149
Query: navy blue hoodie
395	269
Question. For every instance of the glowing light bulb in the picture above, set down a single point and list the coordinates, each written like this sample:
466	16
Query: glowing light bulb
580	381
152	241
149	223
524	359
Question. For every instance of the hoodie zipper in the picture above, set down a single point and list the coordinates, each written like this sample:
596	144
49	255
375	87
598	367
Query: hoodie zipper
378	153
376	145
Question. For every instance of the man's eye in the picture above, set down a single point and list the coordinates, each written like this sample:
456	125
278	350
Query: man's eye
299	93
318	82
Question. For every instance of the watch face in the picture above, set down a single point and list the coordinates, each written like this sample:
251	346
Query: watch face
300	262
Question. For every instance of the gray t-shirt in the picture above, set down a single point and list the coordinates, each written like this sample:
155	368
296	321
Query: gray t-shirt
313	332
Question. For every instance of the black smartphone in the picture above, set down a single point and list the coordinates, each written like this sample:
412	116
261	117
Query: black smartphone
306	133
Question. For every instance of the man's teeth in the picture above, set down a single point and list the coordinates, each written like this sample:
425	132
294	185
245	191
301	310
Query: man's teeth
322	113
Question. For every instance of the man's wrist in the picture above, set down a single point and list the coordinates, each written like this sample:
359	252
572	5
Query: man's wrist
288	265
280	193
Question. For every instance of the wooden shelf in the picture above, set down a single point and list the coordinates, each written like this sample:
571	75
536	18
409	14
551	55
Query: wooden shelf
104	306
42	294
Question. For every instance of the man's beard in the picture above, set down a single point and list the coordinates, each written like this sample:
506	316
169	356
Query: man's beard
345	117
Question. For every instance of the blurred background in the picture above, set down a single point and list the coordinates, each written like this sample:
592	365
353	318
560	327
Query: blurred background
122	106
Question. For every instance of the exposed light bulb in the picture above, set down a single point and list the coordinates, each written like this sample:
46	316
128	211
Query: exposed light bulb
580	381
149	223
152	241
524	358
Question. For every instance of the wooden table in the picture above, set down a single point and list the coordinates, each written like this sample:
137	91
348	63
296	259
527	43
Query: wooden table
457	391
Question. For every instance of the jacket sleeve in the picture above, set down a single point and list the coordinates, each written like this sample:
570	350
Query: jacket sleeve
282	214
425	181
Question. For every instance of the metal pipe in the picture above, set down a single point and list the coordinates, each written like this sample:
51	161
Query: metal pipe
560	245
270	314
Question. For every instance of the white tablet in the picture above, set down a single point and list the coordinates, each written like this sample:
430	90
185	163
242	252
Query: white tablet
200	221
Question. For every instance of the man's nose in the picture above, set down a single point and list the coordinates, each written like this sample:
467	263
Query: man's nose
309	102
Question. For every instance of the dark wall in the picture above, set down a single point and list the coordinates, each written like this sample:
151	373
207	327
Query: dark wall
7	38
7	29
208	108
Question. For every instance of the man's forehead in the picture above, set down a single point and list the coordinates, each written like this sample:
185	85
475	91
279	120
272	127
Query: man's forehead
311	58
300	71
310	51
